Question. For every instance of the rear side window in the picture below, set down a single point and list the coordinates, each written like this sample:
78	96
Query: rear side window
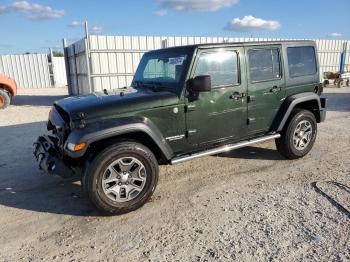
264	64
222	66
301	61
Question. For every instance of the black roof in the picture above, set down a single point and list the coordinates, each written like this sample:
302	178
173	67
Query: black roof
251	43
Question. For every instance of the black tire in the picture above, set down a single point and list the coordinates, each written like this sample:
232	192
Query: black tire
84	176
5	99
285	144
347	83
92	179
340	83
326	83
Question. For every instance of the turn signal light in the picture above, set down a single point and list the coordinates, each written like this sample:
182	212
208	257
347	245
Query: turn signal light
78	147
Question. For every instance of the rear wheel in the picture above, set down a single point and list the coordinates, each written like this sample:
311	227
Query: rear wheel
4	99
121	178
299	135
339	83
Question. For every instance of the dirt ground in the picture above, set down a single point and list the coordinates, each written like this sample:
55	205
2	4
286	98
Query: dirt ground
248	205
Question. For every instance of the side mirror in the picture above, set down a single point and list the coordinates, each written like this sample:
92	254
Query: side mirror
199	84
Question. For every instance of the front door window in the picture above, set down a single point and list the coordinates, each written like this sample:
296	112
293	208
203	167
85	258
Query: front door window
222	66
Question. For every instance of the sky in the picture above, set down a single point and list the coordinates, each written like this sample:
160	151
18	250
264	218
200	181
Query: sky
36	25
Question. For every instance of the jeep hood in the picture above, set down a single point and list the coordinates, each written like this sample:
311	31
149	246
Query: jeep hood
115	102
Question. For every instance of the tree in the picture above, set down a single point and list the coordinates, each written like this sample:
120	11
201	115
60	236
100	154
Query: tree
57	54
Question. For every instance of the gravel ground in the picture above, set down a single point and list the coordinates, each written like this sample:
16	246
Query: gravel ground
248	205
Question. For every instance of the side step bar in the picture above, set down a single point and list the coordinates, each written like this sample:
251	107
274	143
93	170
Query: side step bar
223	149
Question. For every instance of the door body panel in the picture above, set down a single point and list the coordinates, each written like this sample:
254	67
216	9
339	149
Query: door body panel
265	93
221	113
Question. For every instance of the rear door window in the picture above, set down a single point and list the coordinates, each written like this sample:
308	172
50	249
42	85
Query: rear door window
301	61
264	64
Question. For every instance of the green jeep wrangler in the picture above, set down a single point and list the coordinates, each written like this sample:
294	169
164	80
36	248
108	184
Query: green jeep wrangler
184	103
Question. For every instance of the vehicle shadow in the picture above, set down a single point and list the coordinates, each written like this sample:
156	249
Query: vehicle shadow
58	197
30	100
339	102
23	186
251	152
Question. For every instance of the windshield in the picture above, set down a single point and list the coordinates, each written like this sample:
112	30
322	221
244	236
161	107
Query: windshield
163	69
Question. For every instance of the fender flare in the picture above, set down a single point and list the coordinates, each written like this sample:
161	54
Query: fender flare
289	104
8	84
126	126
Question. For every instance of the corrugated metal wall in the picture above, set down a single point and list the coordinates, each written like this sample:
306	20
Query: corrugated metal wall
59	71
112	60
78	68
29	71
329	54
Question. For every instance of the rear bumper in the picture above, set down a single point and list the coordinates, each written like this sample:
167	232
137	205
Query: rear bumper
46	155
323	110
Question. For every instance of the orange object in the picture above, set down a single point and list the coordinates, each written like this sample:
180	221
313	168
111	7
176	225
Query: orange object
8	84
79	147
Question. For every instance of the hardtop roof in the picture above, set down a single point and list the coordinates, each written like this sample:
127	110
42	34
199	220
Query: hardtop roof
251	43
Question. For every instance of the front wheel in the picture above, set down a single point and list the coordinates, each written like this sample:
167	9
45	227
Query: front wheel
299	135
5	99
121	178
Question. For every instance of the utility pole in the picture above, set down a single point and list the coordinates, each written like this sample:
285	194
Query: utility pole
86	30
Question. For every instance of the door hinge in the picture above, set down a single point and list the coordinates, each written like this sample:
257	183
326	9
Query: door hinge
250	99
191	132
190	108
250	121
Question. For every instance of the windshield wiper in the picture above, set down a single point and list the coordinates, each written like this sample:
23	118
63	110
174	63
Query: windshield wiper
138	83
154	86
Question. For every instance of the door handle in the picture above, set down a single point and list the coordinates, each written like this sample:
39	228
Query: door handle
275	89
237	96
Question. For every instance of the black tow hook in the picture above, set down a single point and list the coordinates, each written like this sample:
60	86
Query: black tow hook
45	154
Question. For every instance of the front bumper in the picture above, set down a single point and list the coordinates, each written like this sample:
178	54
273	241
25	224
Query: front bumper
46	155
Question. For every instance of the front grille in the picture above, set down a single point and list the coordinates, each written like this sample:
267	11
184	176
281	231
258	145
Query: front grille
58	124
63	114
61	136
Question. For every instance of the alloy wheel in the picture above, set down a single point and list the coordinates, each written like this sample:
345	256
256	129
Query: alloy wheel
124	179
302	135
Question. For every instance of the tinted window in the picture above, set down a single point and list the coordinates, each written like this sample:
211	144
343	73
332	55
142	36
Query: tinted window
301	61
221	66
264	64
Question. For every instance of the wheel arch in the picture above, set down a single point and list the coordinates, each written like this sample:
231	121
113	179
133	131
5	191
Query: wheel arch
142	132
135	136
308	101
8	85
312	106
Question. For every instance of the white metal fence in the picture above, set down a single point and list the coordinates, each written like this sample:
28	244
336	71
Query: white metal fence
107	62
78	71
29	71
34	70
59	71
